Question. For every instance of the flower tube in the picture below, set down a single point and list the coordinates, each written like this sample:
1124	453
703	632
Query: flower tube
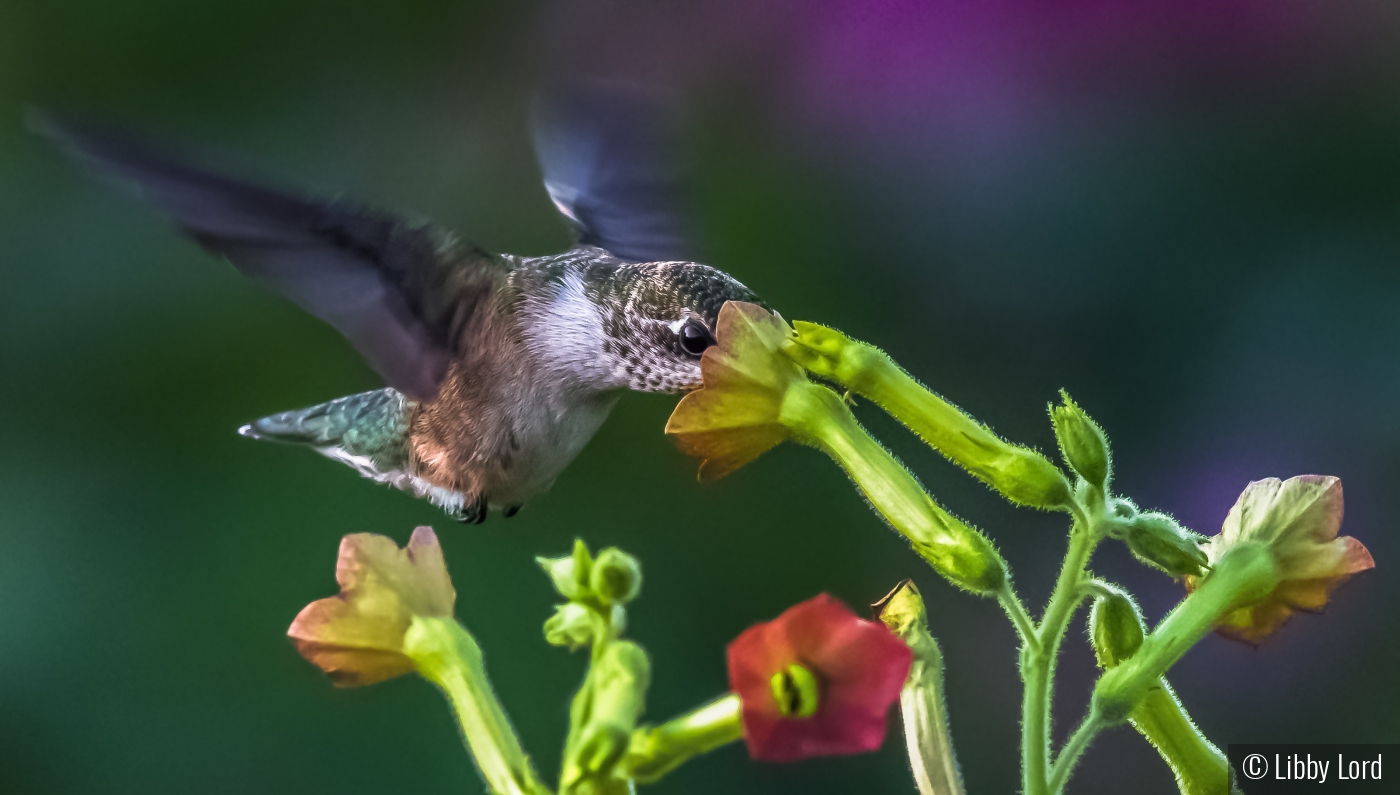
754	397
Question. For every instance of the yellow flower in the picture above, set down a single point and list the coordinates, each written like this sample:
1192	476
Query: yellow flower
357	636
1297	520
736	416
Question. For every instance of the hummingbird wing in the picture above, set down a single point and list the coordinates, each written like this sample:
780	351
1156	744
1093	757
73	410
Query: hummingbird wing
401	290
608	152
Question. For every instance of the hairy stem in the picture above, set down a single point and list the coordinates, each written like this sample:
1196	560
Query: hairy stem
1038	663
1016	611
446	655
1200	768
1245	572
1074	748
955	550
657	750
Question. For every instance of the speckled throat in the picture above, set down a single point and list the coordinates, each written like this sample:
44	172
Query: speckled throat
637	307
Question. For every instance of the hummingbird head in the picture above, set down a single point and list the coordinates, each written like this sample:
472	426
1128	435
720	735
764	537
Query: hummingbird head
659	318
604	323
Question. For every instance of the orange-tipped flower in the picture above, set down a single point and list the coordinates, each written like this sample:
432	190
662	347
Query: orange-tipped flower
816	681
1297	520
357	636
734	418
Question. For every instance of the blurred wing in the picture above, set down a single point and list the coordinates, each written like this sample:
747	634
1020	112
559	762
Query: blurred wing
609	154
400	290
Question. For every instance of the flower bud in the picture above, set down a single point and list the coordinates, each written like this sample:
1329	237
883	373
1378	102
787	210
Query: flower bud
616	694
1116	627
1023	476
616	576
1157	540
1083	443
570	573
971	562
926	733
571	626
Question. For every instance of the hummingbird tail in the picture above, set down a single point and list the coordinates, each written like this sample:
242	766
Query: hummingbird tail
369	433
372	424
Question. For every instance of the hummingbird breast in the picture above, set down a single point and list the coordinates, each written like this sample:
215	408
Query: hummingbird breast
516	406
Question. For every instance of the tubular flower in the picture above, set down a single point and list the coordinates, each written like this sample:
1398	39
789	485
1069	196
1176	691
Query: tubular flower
1019	474
816	681
1297	521
754	397
357	636
735	417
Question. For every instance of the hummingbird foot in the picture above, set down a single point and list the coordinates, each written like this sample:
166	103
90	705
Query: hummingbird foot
474	512
510	511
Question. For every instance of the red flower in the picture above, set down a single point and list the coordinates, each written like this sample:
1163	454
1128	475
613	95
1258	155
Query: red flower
816	681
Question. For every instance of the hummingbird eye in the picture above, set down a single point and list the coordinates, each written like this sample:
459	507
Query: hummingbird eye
695	338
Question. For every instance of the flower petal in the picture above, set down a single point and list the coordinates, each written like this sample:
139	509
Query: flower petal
356	637
860	667
1297	520
733	418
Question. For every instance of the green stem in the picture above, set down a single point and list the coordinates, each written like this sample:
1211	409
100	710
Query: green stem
603	716
447	655
1020	474
1038	666
955	550
1016	611
891	489
1074	748
1245	572
656	751
1200	768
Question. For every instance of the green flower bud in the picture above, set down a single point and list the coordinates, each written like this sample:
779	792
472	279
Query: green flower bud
1116	627
971	562
902	610
1157	540
1023	476
571	626
613	698
1082	442
570	573
616	576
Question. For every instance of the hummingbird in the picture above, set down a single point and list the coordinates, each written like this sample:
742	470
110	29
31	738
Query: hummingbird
498	368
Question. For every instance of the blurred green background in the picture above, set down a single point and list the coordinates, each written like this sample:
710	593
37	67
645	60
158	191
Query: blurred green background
1186	214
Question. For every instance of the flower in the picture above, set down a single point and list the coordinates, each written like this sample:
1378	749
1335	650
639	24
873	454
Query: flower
735	416
1297	521
357	636
816	681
